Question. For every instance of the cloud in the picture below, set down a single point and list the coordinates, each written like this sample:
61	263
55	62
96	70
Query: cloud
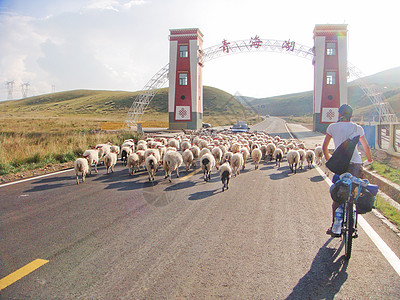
114	5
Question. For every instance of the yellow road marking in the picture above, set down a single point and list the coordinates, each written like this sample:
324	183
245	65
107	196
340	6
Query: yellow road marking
190	174
25	270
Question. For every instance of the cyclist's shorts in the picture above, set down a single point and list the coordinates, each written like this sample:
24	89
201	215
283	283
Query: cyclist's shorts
355	169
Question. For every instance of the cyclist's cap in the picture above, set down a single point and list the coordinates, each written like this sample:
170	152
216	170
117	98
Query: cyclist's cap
346	110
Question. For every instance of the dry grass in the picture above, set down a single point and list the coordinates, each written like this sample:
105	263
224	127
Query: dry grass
31	141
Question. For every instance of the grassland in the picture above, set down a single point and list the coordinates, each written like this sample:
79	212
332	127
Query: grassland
56	128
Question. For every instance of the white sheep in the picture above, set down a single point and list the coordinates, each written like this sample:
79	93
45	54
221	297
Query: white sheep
81	166
109	161
140	153
185	145
92	156
278	156
256	155
310	157
204	151
245	152
217	153
151	164
173	143
225	173
318	155
237	163
227	156
207	162
270	150
154	152
196	152
187	157
302	158
115	149
172	161
133	162
104	149
293	158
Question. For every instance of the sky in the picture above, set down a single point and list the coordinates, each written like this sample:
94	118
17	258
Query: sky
59	45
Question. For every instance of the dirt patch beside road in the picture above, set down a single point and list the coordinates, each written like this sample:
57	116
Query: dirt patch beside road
37	172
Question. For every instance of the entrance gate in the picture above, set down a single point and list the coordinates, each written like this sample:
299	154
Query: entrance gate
331	69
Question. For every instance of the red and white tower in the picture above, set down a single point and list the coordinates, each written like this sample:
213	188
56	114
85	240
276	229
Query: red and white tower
185	98
330	73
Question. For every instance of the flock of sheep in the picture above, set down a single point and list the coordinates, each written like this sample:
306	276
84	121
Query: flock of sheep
225	151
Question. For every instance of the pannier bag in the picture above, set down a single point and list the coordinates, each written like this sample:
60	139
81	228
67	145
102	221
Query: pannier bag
339	191
365	202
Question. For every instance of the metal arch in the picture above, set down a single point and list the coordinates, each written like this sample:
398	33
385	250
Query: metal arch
143	99
375	95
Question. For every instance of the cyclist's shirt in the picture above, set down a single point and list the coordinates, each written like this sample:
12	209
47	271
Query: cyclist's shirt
341	131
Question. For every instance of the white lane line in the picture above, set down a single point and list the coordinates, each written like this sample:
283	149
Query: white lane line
34	178
390	256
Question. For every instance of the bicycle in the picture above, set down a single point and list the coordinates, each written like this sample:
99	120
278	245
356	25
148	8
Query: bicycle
355	203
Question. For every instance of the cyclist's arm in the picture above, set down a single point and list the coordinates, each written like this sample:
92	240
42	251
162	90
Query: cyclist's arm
325	145
367	150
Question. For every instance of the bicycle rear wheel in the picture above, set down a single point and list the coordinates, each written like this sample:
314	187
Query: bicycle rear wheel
348	230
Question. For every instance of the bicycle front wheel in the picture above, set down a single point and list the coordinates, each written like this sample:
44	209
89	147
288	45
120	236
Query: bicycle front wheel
348	230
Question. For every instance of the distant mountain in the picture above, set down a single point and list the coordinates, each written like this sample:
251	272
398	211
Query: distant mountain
301	104
216	101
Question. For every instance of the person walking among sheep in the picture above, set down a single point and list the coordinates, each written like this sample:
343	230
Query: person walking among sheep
340	131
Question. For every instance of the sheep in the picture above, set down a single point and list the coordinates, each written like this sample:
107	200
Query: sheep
225	173
207	162
228	156
270	150
173	143
302	154
235	147
264	151
154	152
115	149
151	164
245	152
318	155
104	149
92	157
256	155
125	152
204	151
185	145
293	158
81	166
217	153
140	153
133	162
141	146
310	156
109	161
187	157
236	163
172	161
278	156
196	152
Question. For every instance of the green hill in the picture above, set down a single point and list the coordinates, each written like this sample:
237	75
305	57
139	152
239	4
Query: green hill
301	104
216	102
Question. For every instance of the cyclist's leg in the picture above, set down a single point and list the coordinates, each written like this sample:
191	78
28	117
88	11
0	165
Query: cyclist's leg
355	169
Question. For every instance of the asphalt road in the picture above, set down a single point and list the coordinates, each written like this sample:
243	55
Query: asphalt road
119	236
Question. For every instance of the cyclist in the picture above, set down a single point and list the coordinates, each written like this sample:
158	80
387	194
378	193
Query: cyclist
341	131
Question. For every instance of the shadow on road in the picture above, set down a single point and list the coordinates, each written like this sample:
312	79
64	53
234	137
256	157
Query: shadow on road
317	178
325	277
203	194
